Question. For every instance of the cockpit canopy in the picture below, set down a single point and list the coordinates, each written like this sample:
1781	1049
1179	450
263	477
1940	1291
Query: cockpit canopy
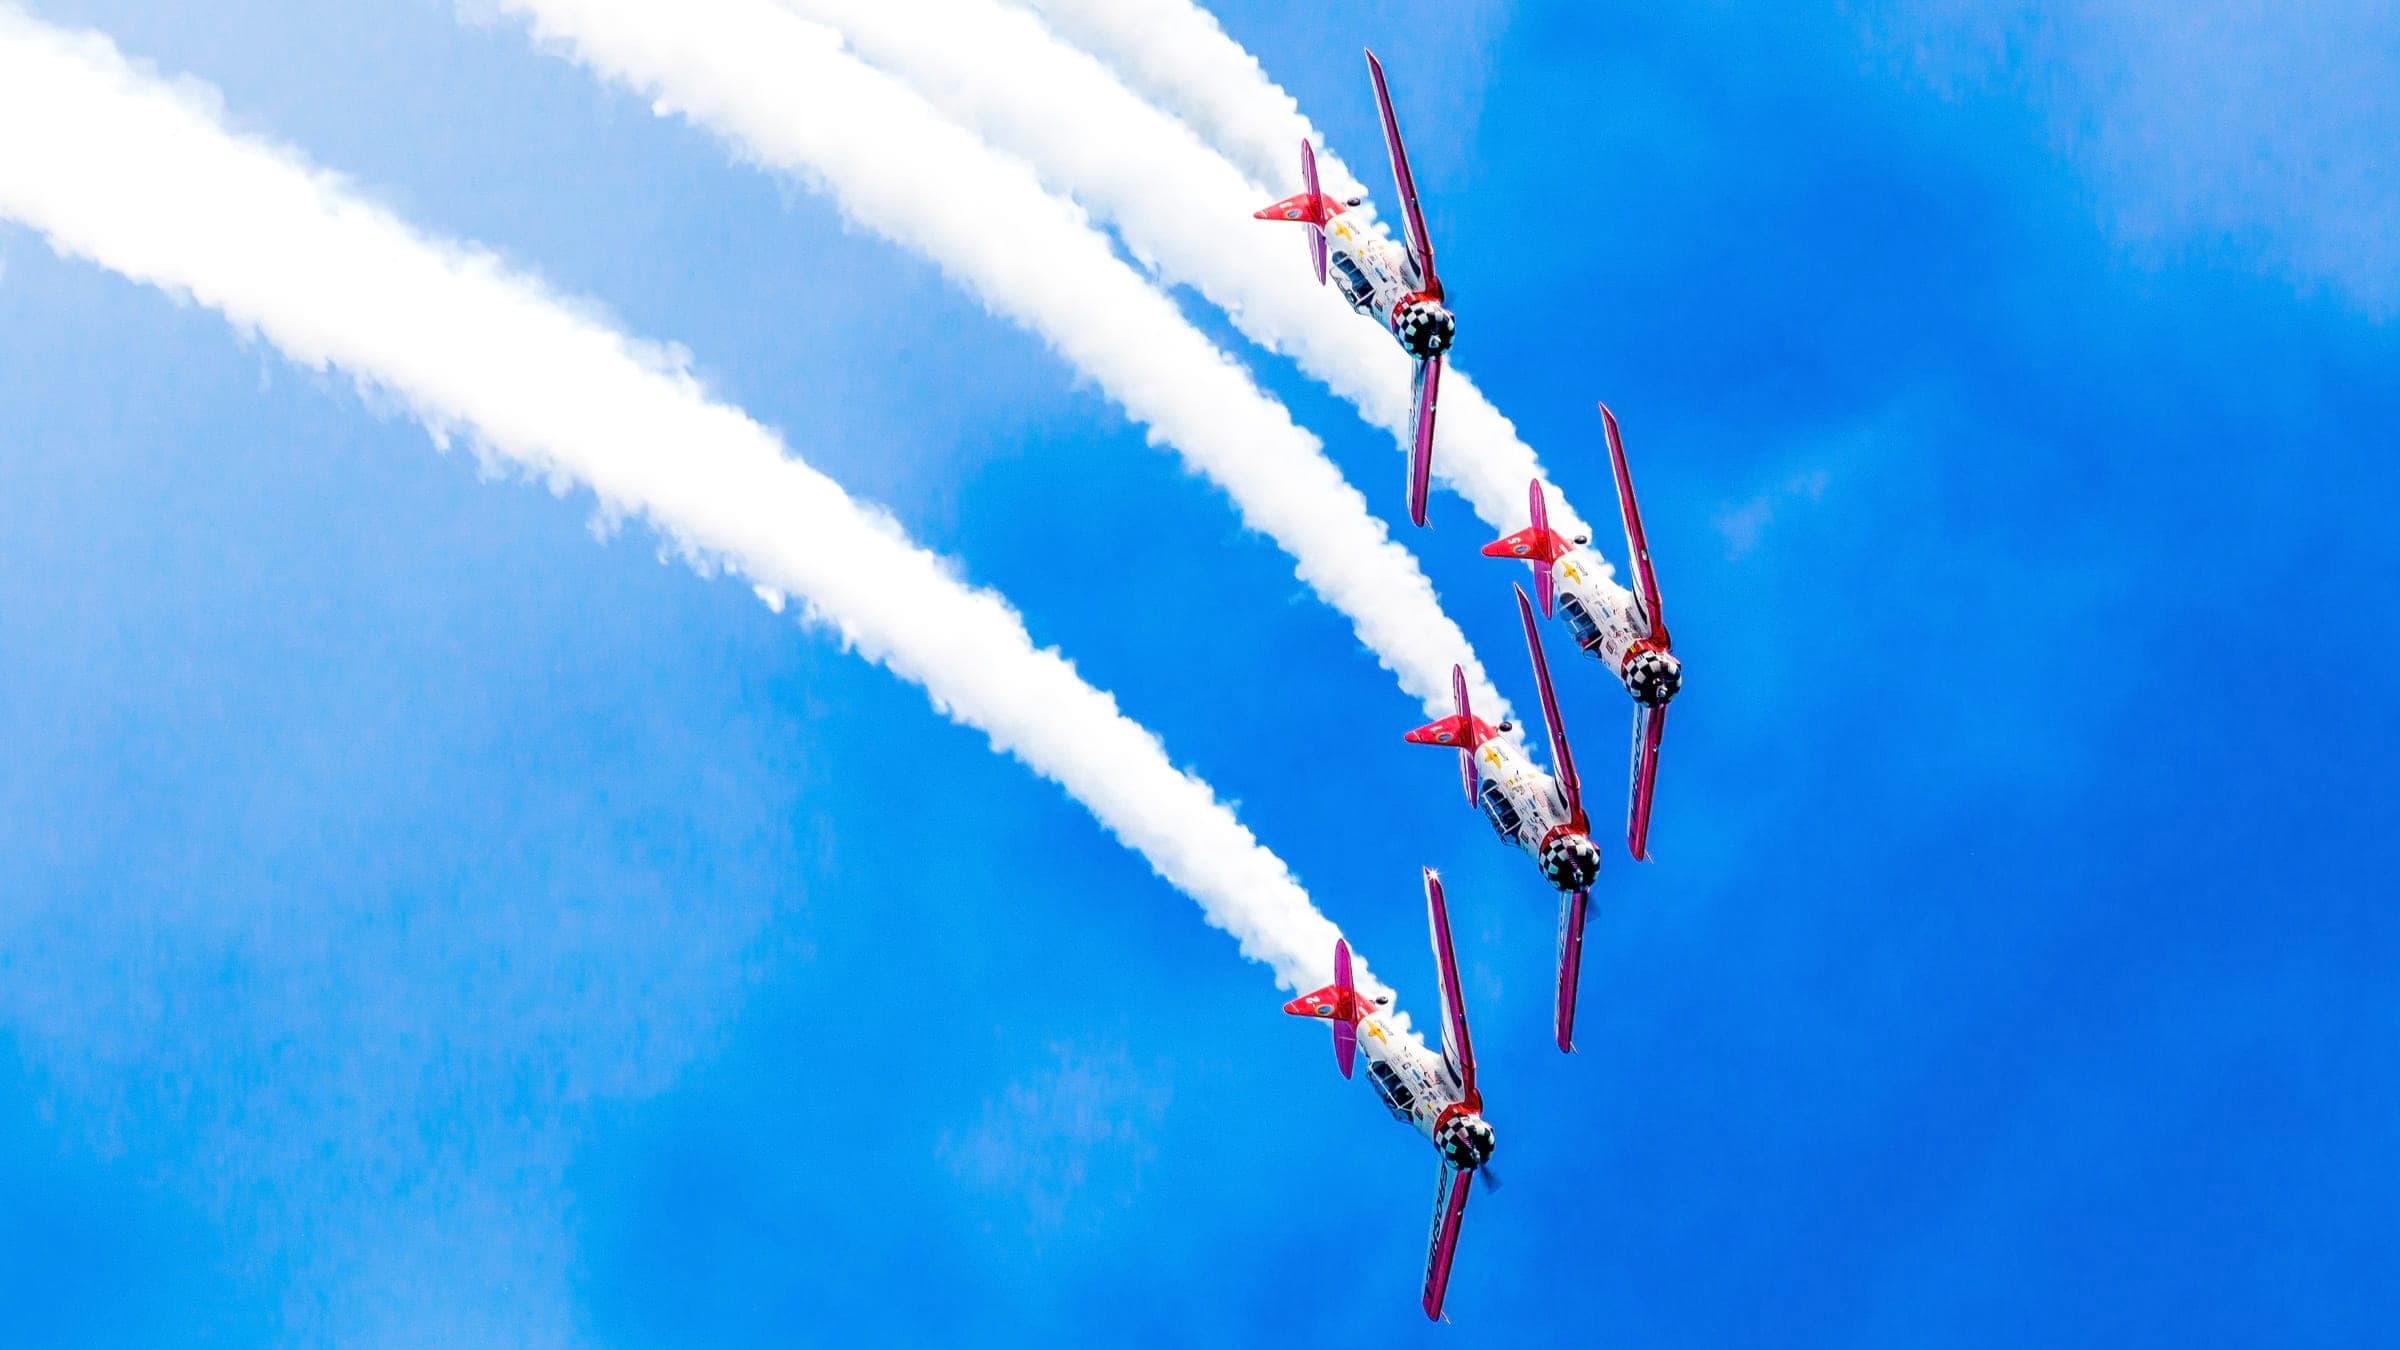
1502	811
1579	621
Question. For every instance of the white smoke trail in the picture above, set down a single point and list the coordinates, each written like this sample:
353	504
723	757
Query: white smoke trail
1182	57
115	165
785	92
1185	208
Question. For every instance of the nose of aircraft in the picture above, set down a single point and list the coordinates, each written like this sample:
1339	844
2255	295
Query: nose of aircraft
1654	677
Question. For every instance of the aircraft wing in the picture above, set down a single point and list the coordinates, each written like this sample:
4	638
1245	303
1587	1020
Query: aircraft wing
1565	760
1571	910
1637	546
1457	1051
1420	443
1412	217
1649	728
1450	1209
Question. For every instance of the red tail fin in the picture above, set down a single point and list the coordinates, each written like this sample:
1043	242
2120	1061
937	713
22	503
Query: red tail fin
1309	206
1462	731
1536	543
1339	1004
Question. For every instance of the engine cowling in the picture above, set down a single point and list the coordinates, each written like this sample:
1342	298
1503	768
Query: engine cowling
1425	328
1466	1141
1653	676
1570	860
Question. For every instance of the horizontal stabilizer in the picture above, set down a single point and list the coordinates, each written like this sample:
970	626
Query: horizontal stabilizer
1308	208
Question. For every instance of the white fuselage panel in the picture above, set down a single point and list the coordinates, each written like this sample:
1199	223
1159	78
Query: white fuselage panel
1412	1079
1602	614
1374	273
1523	803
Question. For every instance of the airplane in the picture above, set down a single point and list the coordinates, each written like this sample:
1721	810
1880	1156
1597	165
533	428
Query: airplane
1533	810
1437	1095
1624	630
1395	286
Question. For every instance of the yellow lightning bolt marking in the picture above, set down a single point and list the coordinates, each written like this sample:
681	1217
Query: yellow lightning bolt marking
1491	757
1570	571
1375	1031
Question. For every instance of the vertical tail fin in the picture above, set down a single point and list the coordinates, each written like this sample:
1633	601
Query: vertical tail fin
1537	544
1316	236
1462	730
1345	1030
1310	206
1338	1003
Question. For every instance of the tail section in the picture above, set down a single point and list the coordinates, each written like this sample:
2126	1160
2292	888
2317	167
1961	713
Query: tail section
1338	1003
1537	544
1310	206
1462	731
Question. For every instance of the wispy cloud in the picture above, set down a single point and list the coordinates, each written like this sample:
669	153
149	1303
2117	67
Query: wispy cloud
1051	1139
2241	128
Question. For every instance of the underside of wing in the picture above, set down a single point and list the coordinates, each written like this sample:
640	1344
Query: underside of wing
1412	216
1568	783
1649	729
1458	1052
1420	442
1450	1210
1637	544
1571	910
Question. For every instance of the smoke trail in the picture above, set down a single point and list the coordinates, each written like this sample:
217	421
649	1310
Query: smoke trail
139	176
1184	207
1179	54
784	92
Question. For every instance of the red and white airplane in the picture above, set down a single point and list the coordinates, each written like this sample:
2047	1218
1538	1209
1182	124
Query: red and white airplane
1624	630
1538	813
1437	1096
1395	286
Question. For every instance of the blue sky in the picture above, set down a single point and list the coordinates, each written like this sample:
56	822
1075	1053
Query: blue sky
420	924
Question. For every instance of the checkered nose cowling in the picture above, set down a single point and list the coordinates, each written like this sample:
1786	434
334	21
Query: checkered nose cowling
1653	677
1426	329
1467	1142
1570	861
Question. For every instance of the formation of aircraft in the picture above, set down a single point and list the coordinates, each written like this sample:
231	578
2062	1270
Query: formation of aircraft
1625	630
1394	285
1435	1094
1539	811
